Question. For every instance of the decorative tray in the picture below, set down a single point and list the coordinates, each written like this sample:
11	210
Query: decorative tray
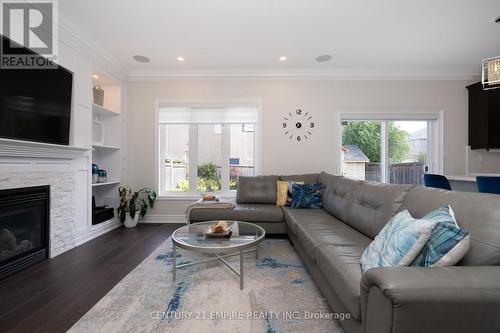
226	226
225	234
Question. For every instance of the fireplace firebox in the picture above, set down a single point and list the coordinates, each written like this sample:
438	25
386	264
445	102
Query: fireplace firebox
24	228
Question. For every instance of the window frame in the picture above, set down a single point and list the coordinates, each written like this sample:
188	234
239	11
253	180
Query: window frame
193	147
435	133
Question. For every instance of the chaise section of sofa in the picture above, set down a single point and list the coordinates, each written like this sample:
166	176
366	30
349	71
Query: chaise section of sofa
268	216
255	202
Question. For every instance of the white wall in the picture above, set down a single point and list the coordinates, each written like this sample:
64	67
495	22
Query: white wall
323	99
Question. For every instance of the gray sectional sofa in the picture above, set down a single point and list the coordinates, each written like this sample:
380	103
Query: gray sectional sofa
330	241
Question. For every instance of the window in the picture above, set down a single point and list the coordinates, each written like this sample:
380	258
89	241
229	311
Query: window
390	150
205	149
242	153
174	152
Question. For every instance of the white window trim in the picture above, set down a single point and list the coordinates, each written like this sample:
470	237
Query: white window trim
436	150
193	152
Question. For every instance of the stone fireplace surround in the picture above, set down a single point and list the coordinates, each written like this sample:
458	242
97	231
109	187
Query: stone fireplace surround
65	169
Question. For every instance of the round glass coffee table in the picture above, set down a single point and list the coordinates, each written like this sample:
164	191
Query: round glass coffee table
245	237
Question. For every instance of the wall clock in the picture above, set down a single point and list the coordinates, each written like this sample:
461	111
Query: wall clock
298	126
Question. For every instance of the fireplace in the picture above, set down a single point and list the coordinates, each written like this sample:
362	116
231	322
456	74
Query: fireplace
24	228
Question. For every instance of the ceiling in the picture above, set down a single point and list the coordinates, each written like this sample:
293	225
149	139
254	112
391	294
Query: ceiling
365	37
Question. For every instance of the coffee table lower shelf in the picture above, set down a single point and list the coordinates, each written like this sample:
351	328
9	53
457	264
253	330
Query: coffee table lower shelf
215	256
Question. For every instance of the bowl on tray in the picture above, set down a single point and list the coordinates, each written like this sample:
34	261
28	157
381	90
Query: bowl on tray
219	229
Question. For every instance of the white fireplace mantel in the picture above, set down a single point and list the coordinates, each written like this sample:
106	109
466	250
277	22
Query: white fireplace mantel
28	149
66	169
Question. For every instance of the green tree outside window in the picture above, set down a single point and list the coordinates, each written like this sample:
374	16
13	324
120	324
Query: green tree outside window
367	136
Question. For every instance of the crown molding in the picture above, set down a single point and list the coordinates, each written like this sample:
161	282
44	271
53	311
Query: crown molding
77	40
298	74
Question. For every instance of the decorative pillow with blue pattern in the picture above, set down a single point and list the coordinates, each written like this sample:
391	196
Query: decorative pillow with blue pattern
305	196
448	243
289	194
434	240
398	243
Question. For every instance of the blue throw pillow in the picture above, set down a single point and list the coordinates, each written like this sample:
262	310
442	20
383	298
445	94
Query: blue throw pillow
447	244
305	196
289	194
398	243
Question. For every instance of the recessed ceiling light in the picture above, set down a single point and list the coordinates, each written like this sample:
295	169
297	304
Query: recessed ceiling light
141	58
497	20
180	59
282	58
324	58
95	76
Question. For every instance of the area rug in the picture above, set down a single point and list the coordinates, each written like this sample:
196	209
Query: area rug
278	296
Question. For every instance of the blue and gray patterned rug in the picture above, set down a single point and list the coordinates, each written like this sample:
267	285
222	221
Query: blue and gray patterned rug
279	296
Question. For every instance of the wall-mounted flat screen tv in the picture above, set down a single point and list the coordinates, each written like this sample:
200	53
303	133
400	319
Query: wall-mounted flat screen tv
35	104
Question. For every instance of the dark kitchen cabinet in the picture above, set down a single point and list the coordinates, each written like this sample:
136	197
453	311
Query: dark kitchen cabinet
484	117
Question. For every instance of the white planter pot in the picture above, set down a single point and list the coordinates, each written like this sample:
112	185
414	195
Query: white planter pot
131	222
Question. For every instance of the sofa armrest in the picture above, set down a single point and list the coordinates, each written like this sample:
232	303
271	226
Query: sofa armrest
440	299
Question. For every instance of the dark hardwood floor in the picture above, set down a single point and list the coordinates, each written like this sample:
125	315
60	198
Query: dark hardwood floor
55	294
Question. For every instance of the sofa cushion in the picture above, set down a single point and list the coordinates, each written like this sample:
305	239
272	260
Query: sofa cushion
241	212
315	230
257	190
477	213
339	263
294	217
310	178
373	205
336	193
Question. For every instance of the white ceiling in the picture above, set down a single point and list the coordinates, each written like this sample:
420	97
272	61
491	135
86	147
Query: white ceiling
378	37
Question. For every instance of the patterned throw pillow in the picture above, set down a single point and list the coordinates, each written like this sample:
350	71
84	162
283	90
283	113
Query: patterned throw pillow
305	196
447	244
284	192
398	243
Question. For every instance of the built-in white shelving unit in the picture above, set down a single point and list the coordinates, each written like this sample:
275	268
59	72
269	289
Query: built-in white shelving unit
108	155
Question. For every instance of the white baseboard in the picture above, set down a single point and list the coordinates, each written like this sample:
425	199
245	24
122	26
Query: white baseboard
97	230
164	219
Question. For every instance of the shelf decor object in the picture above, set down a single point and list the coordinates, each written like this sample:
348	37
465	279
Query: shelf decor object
98	94
103	176
491	73
95	173
97	132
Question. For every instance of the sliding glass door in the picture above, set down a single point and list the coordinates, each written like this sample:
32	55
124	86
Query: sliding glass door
389	150
407	152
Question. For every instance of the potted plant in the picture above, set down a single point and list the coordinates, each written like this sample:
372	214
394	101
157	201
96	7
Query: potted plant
135	204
